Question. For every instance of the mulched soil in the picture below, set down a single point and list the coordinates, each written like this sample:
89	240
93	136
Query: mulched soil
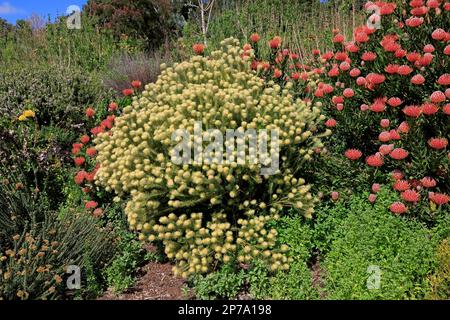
155	282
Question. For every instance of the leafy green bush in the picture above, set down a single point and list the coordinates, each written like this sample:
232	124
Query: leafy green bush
225	283
120	274
56	95
296	284
357	238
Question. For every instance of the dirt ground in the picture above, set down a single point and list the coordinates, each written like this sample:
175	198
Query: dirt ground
155	282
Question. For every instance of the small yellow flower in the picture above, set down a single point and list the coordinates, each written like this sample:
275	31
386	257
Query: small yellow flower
29	114
22	118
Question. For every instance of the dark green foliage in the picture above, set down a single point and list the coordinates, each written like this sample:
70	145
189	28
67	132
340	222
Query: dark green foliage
356	237
57	95
223	284
120	274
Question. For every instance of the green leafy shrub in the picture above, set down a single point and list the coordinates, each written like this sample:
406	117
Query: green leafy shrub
226	283
208	213
366	238
296	284
54	94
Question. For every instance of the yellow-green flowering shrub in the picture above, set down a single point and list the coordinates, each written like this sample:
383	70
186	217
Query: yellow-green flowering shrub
209	213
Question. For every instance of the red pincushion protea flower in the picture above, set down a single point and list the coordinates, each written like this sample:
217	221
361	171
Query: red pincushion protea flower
384	123
447	50
331	123
378	105
397	175
438	34
348	93
97	130
275	43
374	161
341	56
337	99
91	205
361	81
429	109
412	111
339	38
85	139
433	4
428	182
79	161
410	196
198	48
384	136
437	97
399	154
444	80
418	79
401	185
414	22
394	102
438	143
400	53
391	68
335	196
113	106
425	60
439	198
372	198
376	187
446	109
404	70
91	152
255	37
351	47
375	78
79	177
403	127
429	48
355	72
353	154
277	73
413	56
75	151
361	37
344	66
420	11
127	92
368	56
385	149
334	72
398	208
394	135
90	112
77	145
416	3
295	76
136	84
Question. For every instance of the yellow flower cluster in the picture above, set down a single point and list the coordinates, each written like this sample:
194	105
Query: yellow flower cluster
27	114
205	213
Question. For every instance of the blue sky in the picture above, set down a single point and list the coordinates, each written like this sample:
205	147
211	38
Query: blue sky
11	10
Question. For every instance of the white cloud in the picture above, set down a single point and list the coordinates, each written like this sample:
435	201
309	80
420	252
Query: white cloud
7	8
